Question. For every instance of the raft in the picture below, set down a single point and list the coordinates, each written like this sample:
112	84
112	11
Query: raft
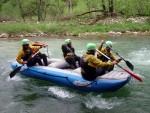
58	71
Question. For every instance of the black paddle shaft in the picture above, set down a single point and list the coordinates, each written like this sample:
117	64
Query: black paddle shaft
14	72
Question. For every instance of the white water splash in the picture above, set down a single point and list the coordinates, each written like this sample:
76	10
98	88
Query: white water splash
11	104
15	78
60	92
141	57
101	103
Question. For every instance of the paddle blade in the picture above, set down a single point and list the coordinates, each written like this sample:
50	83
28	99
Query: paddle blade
130	65
133	75
14	72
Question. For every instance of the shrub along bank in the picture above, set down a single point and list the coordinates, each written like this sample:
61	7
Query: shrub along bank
116	26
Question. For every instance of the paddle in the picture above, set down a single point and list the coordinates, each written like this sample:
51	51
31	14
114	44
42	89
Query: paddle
48	52
40	44
132	74
14	72
71	51
127	62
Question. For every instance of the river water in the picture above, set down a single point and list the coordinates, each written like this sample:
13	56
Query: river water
28	95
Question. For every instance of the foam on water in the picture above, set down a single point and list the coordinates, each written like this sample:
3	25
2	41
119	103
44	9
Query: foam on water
101	103
141	57
60	92
15	78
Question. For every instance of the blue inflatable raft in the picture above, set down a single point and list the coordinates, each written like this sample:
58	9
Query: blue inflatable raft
109	82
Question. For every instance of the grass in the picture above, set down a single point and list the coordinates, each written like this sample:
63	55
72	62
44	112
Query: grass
72	27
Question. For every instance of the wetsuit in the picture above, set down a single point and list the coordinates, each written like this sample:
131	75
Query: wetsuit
92	67
109	54
69	55
25	55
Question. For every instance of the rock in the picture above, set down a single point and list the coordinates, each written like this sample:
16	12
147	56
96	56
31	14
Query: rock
4	35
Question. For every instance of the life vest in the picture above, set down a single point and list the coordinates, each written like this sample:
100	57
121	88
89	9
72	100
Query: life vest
88	72
103	58
28	54
67	51
34	51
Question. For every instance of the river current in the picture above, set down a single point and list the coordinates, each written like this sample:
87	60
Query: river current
27	95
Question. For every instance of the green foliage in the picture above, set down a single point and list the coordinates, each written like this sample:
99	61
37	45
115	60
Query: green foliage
80	7
50	28
60	8
55	10
8	12
16	28
72	28
2	2
133	7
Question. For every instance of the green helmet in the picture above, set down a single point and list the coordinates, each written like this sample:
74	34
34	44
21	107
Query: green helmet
67	41
25	41
109	43
91	46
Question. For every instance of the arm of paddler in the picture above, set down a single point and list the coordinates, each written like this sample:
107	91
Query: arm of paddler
94	62
38	44
101	46
19	57
112	56
102	50
35	48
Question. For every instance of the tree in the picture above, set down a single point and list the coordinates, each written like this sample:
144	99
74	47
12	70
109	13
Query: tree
2	2
69	5
111	7
21	9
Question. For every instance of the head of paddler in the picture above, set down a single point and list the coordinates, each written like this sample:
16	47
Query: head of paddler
91	48
25	44
68	42
108	45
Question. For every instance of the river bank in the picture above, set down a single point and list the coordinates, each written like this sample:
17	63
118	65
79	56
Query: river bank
80	28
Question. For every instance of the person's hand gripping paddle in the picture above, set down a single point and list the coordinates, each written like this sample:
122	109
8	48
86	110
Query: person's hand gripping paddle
14	72
127	62
132	74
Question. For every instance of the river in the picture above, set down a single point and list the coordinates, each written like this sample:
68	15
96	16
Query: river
27	95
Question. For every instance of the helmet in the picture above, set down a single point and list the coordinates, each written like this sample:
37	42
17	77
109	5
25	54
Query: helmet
25	41
67	41
108	43
91	46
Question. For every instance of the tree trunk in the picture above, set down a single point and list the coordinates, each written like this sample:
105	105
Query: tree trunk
21	10
111	7
103	5
69	5
104	8
41	10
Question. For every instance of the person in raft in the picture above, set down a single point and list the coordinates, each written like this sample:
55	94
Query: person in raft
26	52
107	52
41	55
69	54
91	66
